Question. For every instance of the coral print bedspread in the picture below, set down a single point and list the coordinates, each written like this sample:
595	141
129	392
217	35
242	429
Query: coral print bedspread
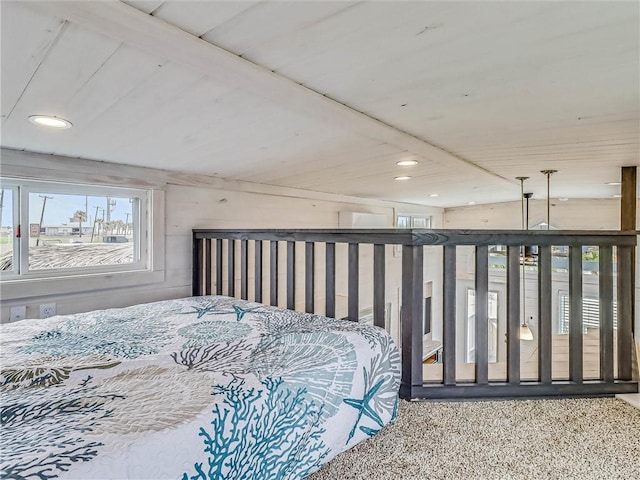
191	389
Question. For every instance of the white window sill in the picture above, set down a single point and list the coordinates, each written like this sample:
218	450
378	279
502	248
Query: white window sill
38	287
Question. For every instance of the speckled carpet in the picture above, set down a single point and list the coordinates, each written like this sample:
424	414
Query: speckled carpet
530	439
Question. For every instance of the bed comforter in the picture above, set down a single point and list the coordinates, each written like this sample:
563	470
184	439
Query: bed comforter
192	389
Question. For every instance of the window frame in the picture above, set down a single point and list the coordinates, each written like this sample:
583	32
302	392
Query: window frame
148	268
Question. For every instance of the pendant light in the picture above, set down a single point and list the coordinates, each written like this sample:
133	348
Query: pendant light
525	331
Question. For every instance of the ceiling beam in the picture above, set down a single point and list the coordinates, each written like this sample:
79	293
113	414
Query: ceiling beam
124	23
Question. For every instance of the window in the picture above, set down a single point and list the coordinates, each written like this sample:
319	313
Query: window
410	221
57	229
590	313
413	221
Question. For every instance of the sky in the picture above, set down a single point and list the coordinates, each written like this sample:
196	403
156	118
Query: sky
60	208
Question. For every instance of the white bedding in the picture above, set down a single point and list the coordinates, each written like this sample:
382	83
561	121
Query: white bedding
197	388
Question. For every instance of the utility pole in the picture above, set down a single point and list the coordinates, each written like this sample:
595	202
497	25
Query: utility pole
44	204
95	219
110	203
126	224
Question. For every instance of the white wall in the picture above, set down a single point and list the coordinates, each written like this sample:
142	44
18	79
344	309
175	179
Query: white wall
575	214
195	202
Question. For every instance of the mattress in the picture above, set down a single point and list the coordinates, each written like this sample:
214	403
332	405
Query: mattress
192	389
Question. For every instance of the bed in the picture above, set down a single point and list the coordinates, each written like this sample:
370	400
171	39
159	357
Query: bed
197	388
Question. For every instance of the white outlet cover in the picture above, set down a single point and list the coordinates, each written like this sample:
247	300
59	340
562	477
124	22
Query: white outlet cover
47	310
17	313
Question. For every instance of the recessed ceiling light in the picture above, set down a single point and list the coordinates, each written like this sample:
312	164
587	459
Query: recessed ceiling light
434	195
49	121
614	183
471	203
406	163
563	199
617	195
402	178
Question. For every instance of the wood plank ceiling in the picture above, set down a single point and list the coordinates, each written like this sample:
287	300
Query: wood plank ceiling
328	96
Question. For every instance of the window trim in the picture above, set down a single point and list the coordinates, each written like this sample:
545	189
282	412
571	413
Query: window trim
13	273
148	270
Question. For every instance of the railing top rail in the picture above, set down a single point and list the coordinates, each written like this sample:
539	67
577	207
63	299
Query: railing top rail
394	236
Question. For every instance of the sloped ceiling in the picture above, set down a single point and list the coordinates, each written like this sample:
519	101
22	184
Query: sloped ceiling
328	96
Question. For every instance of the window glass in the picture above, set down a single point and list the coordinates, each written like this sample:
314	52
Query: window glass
404	221
413	221
70	231
6	229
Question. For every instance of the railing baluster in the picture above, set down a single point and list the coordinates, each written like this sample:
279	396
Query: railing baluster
513	315
412	311
625	309
544	313
330	281
575	315
231	268
273	273
291	275
378	285
353	280
219	266
309	272
244	271
449	313
207	269
605	286
482	314
196	280
258	271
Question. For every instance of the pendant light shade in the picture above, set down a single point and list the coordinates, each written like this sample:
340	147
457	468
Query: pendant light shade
525	332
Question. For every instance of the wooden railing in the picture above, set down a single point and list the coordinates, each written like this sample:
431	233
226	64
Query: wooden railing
209	265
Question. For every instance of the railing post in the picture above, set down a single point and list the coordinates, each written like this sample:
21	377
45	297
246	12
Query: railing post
353	283
273	273
544	314
258	271
309	272
605	288
330	280
291	275
207	270
482	315
513	315
625	308
449	313
219	266
378	285
575	314
196	282
412	305
244	270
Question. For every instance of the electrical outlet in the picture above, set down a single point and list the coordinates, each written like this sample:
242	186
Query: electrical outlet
47	310
18	313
